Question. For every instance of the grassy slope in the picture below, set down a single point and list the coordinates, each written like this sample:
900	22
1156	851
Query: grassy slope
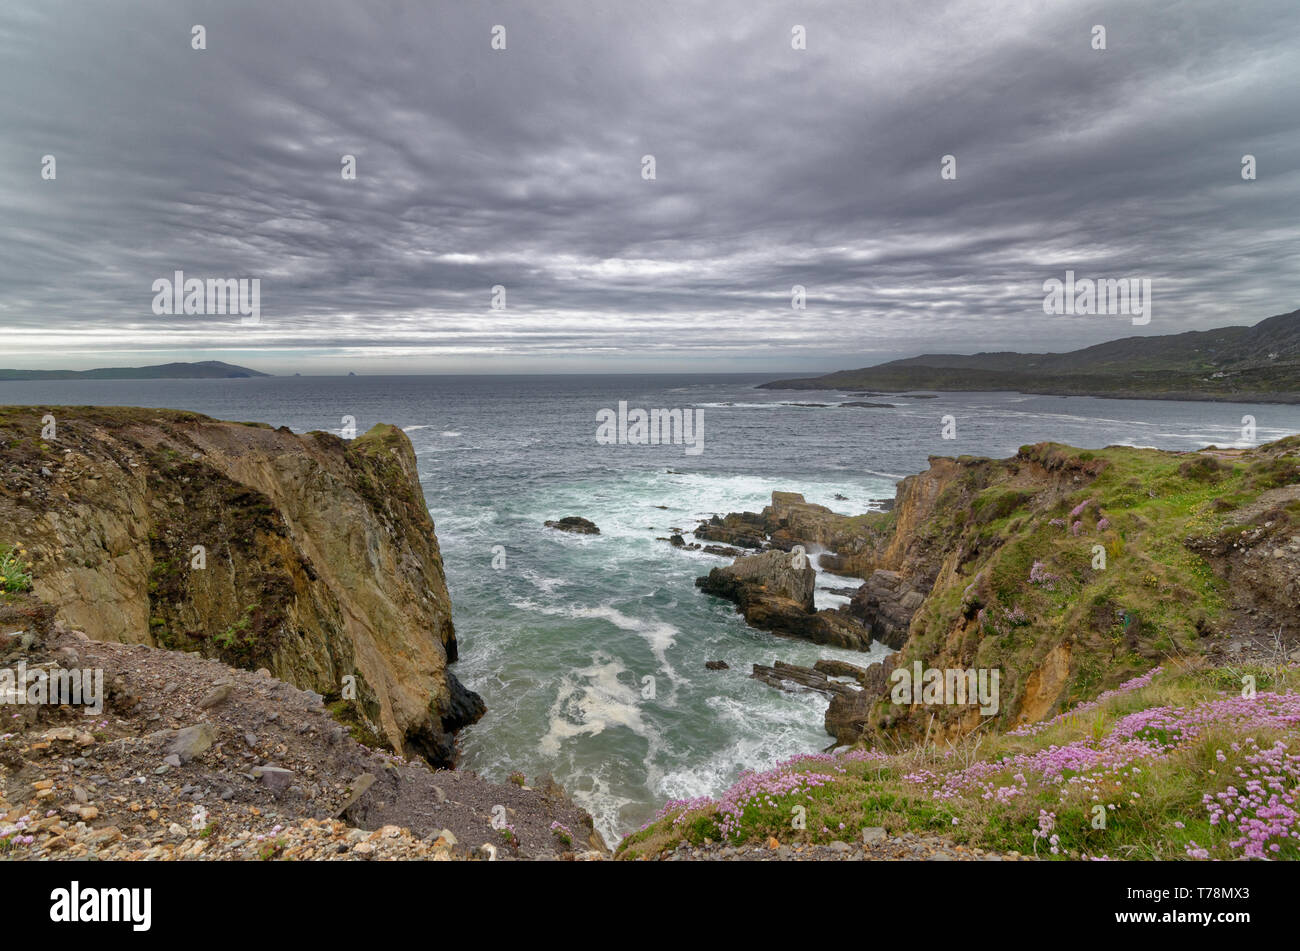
1153	598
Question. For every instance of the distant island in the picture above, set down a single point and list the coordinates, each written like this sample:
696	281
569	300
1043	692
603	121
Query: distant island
205	370
1259	364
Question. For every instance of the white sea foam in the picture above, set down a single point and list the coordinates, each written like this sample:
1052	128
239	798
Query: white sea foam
590	701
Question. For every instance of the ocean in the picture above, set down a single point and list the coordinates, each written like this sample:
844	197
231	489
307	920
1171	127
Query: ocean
590	650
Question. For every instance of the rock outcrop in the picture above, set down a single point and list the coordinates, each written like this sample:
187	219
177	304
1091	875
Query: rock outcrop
309	556
886	604
775	590
1067	571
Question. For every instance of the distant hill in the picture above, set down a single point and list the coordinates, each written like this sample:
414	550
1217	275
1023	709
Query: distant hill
1237	364
206	370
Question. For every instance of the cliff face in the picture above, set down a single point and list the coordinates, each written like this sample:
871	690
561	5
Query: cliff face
1066	571
1071	571
309	556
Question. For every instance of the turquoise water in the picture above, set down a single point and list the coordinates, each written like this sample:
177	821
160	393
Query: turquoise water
561	638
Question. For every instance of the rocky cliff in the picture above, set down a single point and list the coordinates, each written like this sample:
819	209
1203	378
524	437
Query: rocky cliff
309	556
1067	571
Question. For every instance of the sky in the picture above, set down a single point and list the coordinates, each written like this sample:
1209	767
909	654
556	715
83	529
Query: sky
523	168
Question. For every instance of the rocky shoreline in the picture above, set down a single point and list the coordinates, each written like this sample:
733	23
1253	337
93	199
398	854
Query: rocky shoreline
948	578
270	615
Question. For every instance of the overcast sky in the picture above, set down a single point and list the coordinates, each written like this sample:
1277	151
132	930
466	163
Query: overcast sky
523	168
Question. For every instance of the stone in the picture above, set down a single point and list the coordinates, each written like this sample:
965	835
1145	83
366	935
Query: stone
275	778
191	742
356	790
885	605
217	695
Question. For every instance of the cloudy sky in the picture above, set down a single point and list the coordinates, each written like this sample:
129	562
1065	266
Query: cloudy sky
523	168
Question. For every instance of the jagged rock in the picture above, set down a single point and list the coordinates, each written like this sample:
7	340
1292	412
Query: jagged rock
840	668
717	665
775	573
848	715
775	594
549	788
781	675
741	529
885	605
575	524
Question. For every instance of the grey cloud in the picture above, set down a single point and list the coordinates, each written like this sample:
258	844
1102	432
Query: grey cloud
522	168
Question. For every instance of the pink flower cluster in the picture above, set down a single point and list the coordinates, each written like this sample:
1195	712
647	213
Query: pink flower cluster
763	789
1046	823
1038	574
1263	811
1128	686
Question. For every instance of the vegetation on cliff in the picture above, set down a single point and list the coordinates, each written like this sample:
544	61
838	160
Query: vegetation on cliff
1071	571
1176	764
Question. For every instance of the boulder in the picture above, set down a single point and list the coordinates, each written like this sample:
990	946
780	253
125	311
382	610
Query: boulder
276	778
775	594
191	742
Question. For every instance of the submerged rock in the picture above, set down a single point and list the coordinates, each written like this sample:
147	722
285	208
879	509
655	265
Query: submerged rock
575	524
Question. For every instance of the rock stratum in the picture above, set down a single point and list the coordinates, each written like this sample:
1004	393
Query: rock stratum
306	555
